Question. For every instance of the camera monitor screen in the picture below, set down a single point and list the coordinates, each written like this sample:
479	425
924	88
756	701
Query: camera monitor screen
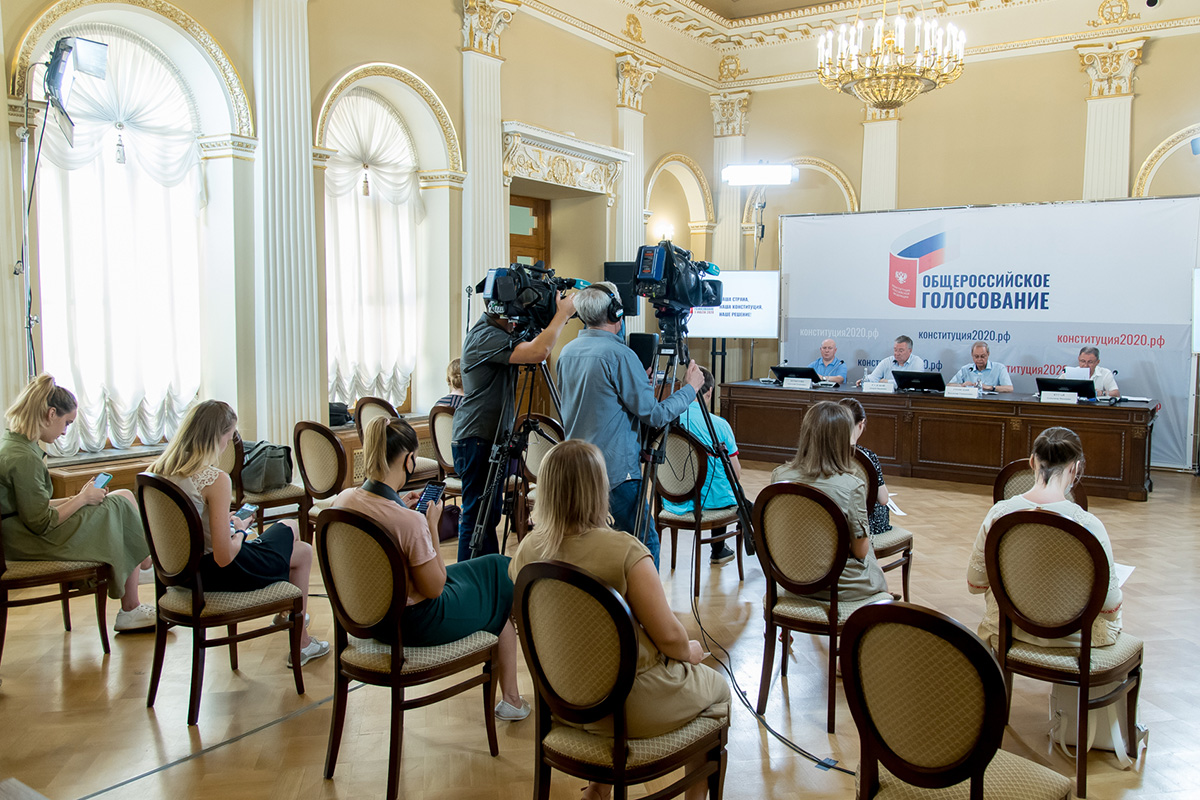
1085	389
919	381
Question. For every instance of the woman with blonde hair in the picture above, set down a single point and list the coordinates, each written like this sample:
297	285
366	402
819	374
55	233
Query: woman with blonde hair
570	519
824	460
94	525
445	603
233	562
454	381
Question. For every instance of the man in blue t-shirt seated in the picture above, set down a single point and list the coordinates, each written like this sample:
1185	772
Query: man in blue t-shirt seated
988	375
829	366
717	492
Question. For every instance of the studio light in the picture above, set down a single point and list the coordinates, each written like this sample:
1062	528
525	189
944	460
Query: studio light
760	174
72	56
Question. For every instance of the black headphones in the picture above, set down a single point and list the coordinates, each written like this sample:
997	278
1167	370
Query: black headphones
615	310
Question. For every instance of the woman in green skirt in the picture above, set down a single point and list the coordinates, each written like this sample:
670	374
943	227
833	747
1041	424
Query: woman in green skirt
94	525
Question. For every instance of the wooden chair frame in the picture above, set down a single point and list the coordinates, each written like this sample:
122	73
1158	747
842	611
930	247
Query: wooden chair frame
549	704
904	548
522	505
776	578
189	578
874	749
440	448
1077	494
302	501
722	525
390	629
81	577
1127	674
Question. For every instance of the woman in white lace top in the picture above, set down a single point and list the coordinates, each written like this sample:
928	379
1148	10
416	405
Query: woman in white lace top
233	563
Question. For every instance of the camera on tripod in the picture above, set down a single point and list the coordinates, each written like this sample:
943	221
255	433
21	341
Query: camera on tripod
526	294
669	278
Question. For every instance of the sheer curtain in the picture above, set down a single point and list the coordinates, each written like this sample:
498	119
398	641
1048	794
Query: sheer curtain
119	248
372	208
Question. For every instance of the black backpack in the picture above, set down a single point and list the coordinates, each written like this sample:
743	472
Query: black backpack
266	466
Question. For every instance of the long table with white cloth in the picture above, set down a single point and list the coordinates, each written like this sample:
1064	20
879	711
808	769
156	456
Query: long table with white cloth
954	439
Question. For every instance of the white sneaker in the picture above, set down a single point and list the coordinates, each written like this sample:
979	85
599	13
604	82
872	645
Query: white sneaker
510	713
138	619
314	649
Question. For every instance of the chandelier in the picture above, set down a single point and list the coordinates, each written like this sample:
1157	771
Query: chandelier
889	62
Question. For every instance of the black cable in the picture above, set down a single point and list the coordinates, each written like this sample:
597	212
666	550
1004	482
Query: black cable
820	763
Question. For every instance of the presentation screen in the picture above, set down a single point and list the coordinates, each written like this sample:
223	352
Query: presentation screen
1034	282
749	308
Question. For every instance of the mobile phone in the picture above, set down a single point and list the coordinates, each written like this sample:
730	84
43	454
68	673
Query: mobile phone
101	480
430	494
246	512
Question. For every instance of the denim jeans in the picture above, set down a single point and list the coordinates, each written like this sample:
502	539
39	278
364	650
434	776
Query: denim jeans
471	458
622	504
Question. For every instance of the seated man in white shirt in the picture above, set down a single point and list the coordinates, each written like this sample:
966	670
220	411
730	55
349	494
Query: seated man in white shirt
1106	384
902	359
990	376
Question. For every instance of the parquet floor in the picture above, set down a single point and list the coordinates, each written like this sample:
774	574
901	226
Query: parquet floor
73	723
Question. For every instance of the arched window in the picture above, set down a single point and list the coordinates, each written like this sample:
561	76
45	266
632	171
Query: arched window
372	207
118	234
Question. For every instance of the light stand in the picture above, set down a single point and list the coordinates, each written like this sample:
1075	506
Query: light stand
71	56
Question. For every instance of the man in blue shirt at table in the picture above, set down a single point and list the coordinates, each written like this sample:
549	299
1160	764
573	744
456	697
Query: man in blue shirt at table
902	359
717	491
829	366
988	375
605	394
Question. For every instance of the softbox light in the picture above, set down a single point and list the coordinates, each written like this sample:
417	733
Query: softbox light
72	56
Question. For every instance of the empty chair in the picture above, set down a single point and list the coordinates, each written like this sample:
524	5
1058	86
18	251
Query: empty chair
322	460
233	459
930	705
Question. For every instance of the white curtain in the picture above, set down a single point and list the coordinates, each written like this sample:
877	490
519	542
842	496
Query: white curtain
372	207
119	248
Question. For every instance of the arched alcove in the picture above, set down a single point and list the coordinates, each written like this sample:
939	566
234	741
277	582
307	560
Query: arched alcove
1162	156
701	219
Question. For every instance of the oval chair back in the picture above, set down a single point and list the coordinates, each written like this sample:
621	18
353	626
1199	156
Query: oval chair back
322	459
1016	477
174	532
441	431
367	409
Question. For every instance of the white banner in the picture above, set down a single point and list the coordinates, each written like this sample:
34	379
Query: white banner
1037	282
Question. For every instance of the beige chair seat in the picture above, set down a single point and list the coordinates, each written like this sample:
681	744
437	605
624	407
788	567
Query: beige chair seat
425	465
1067	658
179	601
453	485
376	656
282	493
1008	777
565	740
708	516
886	541
19	570
805	609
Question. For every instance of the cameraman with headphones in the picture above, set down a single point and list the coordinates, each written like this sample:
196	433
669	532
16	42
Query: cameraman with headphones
605	394
488	407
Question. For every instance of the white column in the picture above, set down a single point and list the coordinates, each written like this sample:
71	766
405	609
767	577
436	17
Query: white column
292	383
1110	67
440	193
12	287
730	110
633	78
485	203
881	160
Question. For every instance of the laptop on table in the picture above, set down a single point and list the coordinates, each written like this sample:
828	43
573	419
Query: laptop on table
1086	390
919	381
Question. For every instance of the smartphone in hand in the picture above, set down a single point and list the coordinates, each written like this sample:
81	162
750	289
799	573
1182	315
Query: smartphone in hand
246	512
101	480
430	494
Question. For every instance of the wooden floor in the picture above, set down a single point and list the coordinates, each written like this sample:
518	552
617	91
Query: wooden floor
74	723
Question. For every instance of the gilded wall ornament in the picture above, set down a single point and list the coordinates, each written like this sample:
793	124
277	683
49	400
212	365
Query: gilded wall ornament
1112	12
483	22
1110	66
730	68
633	29
634	76
729	113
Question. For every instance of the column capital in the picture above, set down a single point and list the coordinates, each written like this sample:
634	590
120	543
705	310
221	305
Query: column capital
1110	66
483	22
634	76
882	114
730	110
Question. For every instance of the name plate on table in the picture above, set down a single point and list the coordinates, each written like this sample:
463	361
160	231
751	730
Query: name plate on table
879	387
1069	398
797	383
965	392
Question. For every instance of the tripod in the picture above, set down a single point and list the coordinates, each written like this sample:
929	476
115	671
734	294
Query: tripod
673	346
509	445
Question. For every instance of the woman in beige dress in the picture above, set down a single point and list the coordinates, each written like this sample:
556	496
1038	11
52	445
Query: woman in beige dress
672	687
